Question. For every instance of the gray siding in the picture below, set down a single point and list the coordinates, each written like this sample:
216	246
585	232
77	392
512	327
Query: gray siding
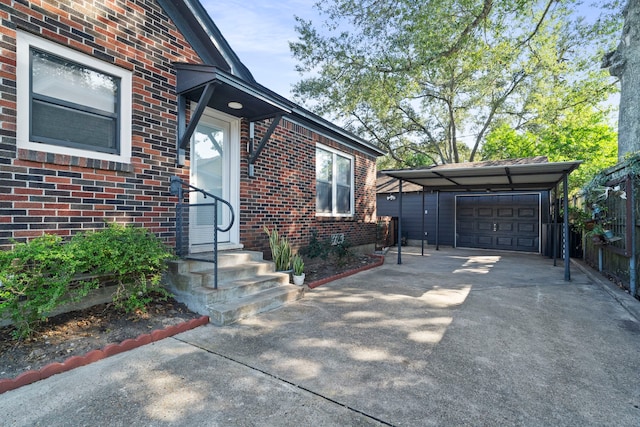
412	219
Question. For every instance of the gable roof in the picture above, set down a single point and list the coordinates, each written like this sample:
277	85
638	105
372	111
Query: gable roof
193	21
233	82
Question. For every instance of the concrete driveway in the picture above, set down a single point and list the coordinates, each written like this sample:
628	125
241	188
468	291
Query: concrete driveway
453	338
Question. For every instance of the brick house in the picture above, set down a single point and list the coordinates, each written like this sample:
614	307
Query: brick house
104	101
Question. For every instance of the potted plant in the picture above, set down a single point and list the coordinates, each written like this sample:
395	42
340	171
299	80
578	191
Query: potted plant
280	250
298	270
597	234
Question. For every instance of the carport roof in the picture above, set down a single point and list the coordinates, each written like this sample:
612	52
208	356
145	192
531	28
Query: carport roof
531	174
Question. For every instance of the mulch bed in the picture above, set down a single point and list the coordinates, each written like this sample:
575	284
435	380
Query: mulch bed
79	332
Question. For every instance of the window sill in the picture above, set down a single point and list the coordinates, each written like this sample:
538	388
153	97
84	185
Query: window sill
66	160
335	218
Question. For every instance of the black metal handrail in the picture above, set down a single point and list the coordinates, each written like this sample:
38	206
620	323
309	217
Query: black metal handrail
178	189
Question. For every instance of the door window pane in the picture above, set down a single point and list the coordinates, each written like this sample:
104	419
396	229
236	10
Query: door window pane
209	168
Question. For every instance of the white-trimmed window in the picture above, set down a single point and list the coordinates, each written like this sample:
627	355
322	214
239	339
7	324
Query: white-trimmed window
71	103
334	182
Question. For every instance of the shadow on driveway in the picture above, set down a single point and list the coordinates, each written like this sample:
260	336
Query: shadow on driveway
452	338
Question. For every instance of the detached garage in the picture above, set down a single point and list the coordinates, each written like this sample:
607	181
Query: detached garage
500	205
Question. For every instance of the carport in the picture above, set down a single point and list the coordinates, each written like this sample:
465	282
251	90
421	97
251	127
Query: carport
515	175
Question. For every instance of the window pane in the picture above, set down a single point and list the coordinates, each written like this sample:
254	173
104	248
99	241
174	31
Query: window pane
344	170
50	121
71	82
324	201
324	165
344	199
209	169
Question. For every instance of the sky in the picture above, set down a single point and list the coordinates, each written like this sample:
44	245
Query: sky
259	32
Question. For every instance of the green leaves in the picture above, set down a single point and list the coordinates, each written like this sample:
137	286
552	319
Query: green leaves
35	278
581	134
45	273
422	79
280	250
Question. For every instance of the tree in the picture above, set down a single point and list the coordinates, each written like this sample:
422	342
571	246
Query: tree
583	134
421	79
624	63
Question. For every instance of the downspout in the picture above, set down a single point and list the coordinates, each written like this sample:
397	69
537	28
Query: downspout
399	236
567	268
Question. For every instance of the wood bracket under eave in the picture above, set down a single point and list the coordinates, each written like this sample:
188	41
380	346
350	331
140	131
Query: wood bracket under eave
185	132
254	154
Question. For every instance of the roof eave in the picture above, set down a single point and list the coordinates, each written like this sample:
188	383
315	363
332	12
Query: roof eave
259	102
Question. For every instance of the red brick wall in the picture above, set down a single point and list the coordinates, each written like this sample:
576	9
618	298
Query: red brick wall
283	192
42	192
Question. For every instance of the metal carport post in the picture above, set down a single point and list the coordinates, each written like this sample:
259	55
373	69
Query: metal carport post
399	236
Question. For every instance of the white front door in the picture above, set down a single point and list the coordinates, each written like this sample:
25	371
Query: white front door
214	168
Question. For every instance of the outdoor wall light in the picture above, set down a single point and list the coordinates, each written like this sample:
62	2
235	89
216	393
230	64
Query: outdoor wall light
391	197
234	105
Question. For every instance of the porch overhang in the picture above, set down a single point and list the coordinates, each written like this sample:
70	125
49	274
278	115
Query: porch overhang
192	80
213	87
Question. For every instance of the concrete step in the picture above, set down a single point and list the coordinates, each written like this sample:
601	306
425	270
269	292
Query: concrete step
203	261
180	273
225	313
227	258
235	272
240	288
247	285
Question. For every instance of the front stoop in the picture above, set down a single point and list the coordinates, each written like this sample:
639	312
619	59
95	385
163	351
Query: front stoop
247	285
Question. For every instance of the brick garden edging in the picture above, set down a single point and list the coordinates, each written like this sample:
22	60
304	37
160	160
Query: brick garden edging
129	344
320	282
95	355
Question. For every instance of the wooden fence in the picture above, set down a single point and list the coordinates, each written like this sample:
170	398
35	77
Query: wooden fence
617	210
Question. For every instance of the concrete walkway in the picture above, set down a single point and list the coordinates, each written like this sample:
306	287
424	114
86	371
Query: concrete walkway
453	338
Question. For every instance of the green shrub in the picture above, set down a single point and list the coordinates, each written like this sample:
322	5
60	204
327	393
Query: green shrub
316	247
133	256
38	276
326	249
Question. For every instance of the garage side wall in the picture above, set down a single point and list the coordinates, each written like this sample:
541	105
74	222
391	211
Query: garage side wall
412	215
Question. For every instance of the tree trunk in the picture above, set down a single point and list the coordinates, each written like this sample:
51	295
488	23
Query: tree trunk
624	63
